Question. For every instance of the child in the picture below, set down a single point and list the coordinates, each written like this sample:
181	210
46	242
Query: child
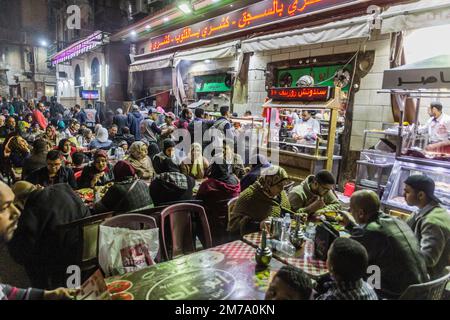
290	283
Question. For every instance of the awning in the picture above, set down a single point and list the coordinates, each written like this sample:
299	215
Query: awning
357	27
433	73
421	14
224	50
159	62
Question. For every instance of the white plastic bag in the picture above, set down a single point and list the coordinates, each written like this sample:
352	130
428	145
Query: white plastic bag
124	250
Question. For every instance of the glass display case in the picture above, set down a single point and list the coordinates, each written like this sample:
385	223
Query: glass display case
405	167
373	170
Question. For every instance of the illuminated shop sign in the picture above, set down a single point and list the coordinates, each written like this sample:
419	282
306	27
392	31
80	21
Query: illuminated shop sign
93	41
322	94
253	16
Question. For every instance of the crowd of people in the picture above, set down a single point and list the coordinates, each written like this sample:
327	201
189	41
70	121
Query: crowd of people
60	152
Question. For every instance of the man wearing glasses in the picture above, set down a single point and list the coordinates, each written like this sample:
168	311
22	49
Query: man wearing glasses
315	195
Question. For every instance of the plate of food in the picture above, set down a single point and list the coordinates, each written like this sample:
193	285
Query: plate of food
86	194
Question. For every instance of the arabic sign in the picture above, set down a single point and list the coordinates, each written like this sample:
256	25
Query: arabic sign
322	94
250	17
93	41
417	79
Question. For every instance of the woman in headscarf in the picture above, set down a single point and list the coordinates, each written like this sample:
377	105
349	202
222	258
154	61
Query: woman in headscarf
140	161
265	198
259	163
221	184
171	185
237	164
67	150
98	173
168	152
101	140
128	193
19	151
195	165
150	136
51	136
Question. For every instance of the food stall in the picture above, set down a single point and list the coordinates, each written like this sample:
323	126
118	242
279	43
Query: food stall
428	79
305	156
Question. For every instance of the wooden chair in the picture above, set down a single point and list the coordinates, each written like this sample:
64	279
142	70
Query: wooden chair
181	211
433	290
87	250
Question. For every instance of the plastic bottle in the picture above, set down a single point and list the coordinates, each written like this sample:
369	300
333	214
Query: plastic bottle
286	227
310	231
283	246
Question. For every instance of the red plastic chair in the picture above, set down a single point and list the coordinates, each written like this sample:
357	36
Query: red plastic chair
186	211
133	222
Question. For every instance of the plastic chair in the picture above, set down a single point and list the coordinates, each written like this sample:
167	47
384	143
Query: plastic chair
133	222
184	210
87	249
433	290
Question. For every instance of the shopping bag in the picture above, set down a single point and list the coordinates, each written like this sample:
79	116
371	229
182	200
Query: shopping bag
123	250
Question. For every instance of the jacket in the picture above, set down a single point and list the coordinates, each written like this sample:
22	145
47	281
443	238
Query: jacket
212	191
38	117
121	121
170	187
431	225
33	163
37	240
41	177
134	122
392	246
301	196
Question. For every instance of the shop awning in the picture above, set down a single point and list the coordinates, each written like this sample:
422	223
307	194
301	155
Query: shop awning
357	27
224	50
433	73
421	14
159	62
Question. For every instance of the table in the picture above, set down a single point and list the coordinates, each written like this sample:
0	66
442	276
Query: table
225	272
303	259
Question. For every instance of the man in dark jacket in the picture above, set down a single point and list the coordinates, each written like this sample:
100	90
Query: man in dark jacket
390	243
79	115
134	122
198	127
53	173
120	120
37	160
37	243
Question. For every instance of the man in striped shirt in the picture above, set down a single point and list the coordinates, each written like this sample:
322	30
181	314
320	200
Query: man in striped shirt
347	262
9	217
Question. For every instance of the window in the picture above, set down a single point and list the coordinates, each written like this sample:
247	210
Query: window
77	76
95	72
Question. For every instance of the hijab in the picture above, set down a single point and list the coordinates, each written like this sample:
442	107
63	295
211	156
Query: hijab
142	165
146	131
223	173
102	135
272	176
123	171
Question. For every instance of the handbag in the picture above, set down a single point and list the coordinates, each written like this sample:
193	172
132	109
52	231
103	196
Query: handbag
325	236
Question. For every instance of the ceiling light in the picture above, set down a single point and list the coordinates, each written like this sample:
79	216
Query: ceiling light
148	27
43	43
166	19
185	7
133	33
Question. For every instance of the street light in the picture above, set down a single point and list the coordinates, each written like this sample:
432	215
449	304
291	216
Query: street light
43	43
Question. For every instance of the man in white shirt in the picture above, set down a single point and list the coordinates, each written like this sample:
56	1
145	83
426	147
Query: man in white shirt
438	128
307	128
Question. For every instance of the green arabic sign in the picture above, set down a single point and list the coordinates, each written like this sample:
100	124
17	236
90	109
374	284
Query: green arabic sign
212	83
323	76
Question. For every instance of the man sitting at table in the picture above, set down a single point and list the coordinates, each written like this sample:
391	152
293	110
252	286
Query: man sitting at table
9	218
38	245
290	283
53	173
430	223
315	195
390	244
347	262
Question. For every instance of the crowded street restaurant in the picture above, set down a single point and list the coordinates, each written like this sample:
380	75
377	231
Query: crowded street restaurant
265	150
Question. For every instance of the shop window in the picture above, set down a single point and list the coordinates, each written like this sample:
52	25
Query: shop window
426	43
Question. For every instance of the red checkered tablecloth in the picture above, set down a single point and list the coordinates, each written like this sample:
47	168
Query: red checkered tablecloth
236	250
306	261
